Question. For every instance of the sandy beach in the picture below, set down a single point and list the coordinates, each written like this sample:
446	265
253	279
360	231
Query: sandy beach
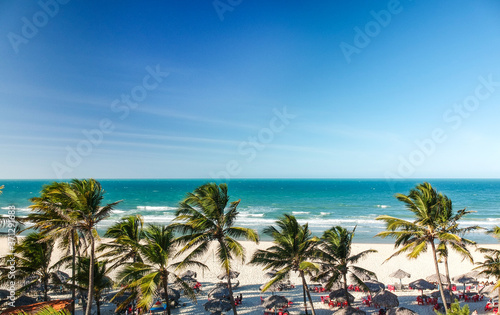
252	277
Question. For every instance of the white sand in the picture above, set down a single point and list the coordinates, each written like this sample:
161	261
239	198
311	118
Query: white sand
252	277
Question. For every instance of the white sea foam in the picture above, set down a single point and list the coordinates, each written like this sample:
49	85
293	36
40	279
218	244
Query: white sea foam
300	212
253	215
383	206
117	211
324	213
155	208
259	209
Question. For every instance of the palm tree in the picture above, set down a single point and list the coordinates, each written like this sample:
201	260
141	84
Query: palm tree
334	253
149	277
32	262
204	219
102	281
125	246
293	246
495	232
84	197
491	265
52	216
450	225
427	228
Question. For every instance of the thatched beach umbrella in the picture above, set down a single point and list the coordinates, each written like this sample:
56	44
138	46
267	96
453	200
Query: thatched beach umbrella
434	278
173	294
464	279
386	299
59	277
401	311
218	293
421	285
275	287
489	291
188	274
233	274
449	296
374	286
339	294
400	274
275	301
217	306
349	311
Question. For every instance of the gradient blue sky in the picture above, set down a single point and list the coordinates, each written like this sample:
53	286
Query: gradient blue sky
227	78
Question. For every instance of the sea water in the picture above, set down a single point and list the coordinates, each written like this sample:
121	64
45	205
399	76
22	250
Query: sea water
322	203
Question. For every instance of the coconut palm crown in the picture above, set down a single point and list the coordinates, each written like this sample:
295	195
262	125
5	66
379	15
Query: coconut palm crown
293	247
207	216
415	237
336	260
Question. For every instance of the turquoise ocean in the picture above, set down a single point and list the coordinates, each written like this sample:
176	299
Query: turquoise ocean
322	203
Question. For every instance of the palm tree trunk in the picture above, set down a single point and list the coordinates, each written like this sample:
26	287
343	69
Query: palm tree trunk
447	272
45	294
229	286
165	288
439	276
90	293
345	289
73	270
307	292
98	305
304	294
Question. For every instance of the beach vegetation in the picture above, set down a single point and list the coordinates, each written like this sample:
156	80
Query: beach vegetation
490	267
31	260
206	216
48	310
455	309
147	278
293	247
125	243
458	243
84	198
415	237
495	232
51	215
102	281
337	262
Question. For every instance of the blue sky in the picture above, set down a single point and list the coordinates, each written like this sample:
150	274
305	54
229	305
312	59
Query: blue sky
249	89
